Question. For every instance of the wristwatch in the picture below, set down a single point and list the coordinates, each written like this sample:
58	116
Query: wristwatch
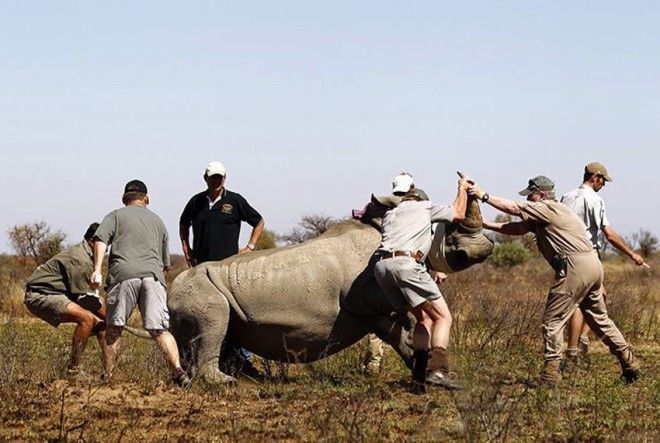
485	197
250	246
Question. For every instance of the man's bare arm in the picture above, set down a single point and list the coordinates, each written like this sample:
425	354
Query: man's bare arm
96	278
254	237
460	203
184	235
617	242
509	228
500	203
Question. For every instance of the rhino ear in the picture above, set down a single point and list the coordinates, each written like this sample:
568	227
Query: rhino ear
389	201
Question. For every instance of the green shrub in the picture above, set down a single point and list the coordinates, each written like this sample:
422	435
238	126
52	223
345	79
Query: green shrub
510	254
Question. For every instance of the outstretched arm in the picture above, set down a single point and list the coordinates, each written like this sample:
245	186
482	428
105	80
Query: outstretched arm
499	203
509	228
617	242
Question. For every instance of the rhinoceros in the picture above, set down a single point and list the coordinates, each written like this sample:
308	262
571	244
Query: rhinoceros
304	302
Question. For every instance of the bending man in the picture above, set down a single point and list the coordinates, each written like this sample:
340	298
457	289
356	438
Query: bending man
404	279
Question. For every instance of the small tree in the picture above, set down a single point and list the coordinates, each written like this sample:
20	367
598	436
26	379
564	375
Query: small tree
36	241
268	240
510	254
647	243
309	226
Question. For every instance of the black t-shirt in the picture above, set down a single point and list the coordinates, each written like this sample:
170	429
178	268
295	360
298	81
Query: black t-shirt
216	229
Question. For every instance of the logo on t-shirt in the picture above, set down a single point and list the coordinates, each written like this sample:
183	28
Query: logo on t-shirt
227	208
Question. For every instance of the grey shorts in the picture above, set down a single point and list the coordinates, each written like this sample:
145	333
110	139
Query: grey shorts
150	296
405	282
48	307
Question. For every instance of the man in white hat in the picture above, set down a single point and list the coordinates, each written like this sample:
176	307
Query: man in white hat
590	208
216	215
371	363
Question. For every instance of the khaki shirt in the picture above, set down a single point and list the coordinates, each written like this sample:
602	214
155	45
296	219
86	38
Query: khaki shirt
558	230
65	273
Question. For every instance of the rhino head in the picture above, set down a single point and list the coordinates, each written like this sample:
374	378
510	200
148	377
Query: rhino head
457	246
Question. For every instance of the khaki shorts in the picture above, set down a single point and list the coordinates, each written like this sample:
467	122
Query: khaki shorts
48	307
150	296
405	282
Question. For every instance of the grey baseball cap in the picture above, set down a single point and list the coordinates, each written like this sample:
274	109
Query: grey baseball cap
418	193
538	183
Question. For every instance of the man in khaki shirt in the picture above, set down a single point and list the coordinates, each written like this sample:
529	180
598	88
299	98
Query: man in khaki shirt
561	238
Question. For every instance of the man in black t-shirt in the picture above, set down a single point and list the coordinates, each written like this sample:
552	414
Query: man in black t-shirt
216	215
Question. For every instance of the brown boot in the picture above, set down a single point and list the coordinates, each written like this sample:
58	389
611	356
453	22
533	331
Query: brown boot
551	374
439	374
572	359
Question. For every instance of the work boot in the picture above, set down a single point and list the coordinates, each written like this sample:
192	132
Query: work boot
372	367
630	370
446	380
180	378
77	375
420	363
583	344
572	359
551	374
438	370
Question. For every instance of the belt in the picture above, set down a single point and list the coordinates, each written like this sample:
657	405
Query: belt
417	256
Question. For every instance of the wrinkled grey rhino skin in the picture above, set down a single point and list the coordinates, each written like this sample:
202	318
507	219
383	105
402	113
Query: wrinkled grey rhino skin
293	304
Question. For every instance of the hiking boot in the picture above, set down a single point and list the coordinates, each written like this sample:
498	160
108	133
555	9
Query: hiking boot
630	375
181	379
420	363
250	371
551	373
417	387
446	380
76	375
583	344
572	359
371	368
630	371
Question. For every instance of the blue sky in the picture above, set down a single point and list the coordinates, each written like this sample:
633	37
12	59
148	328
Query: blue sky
312	106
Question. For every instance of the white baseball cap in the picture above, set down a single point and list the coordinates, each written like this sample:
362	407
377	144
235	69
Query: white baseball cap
215	168
402	183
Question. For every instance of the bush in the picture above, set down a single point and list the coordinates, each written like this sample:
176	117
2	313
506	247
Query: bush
510	254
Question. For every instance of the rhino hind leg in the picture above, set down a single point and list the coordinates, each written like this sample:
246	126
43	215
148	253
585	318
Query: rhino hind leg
199	324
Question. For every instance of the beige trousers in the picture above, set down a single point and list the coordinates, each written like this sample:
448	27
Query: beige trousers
582	288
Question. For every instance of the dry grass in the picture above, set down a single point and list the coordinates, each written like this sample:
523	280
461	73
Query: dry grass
498	354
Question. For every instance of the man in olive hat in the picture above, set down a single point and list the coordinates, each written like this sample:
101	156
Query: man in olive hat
138	259
560	236
403	277
58	291
590	208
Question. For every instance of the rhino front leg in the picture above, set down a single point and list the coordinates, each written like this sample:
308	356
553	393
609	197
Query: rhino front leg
394	334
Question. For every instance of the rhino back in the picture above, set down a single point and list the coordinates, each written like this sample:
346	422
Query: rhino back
299	284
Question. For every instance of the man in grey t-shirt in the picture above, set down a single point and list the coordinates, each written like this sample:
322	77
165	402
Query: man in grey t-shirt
404	279
138	257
